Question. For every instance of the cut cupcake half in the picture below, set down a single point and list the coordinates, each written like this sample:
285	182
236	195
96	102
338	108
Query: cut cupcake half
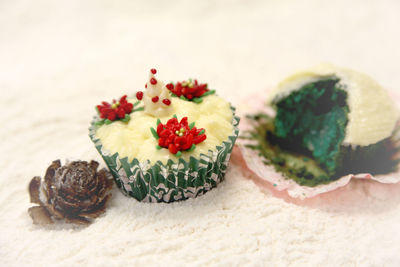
371	115
324	124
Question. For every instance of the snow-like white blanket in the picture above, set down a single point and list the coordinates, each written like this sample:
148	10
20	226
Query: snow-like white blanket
58	59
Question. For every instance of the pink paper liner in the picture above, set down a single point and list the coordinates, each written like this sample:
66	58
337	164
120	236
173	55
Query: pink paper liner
266	177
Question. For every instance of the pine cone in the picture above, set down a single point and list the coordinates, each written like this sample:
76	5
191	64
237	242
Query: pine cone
76	193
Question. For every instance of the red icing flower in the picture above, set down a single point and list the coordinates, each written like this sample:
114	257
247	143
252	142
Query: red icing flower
116	110
178	136
189	89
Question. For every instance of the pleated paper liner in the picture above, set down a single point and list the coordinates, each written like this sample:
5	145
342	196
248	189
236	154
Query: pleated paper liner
172	181
266	175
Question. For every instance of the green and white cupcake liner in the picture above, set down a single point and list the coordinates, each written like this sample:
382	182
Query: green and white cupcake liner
172	181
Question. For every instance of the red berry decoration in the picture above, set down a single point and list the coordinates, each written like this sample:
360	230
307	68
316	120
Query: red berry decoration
154	71
167	102
190	90
139	95
117	110
155	99
153	81
178	136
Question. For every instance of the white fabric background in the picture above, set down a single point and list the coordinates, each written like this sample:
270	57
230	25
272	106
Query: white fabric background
58	59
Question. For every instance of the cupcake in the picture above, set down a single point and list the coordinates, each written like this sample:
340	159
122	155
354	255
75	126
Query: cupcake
167	143
322	125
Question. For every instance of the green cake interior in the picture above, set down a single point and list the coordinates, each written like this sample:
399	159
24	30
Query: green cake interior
304	140
312	121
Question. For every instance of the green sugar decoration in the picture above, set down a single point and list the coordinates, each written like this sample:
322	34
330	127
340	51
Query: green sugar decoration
154	133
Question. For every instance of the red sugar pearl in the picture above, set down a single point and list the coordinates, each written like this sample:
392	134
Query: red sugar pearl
154	71
155	99
139	95
153	81
167	102
145	86
170	86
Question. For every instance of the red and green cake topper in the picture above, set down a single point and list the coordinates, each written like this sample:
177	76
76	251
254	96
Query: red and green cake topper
156	100
117	110
178	136
190	90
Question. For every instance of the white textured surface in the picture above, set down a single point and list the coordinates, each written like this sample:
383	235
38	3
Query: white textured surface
59	59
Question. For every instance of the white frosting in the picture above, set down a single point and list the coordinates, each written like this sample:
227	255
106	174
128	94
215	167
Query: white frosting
159	90
372	115
134	139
